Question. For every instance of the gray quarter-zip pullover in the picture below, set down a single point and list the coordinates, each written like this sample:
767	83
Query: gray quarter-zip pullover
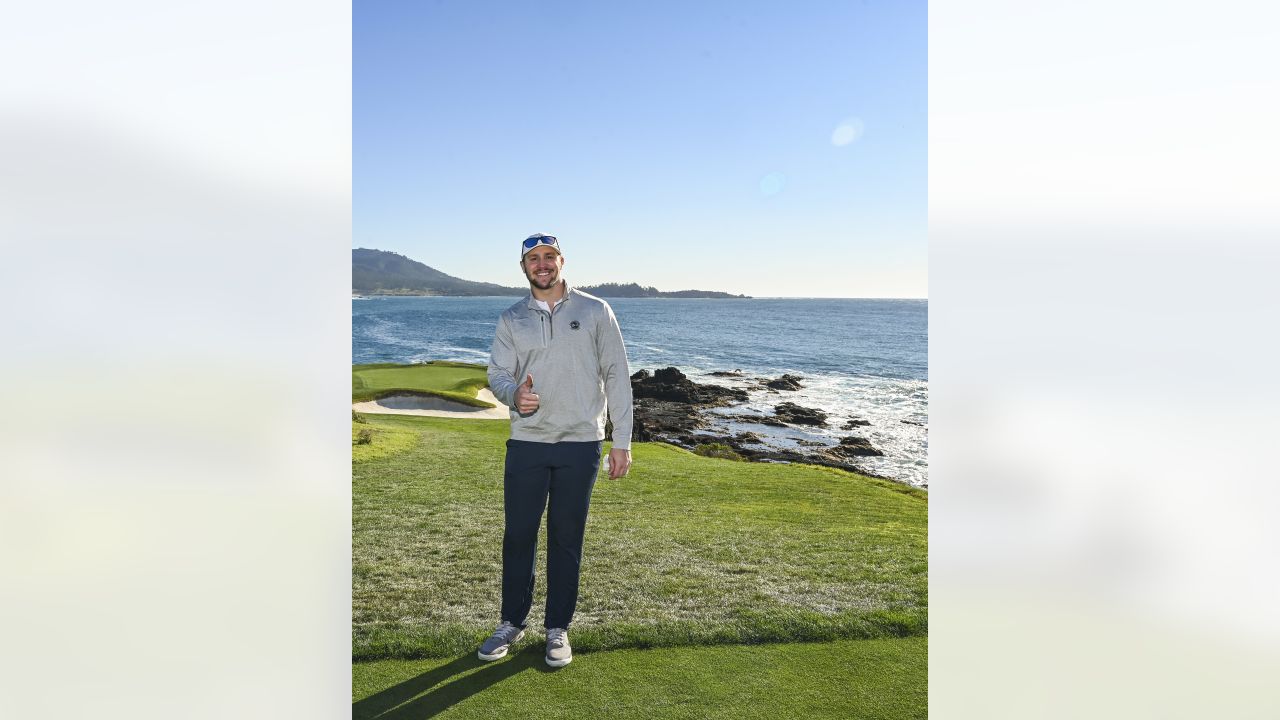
579	366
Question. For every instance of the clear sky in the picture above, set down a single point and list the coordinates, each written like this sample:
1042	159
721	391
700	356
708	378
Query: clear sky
772	149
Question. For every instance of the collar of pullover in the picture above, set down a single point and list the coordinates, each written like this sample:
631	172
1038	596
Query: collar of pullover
532	304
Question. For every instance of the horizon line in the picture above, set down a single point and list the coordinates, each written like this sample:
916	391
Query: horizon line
748	297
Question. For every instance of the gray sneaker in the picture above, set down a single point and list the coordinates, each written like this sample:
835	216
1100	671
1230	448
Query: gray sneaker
559	653
500	641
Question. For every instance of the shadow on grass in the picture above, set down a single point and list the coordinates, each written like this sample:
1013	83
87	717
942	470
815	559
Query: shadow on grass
390	704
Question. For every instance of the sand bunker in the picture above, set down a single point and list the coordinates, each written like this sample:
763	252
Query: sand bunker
435	407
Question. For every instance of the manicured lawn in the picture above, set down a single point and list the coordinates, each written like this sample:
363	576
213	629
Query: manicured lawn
845	679
382	440
686	550
451	380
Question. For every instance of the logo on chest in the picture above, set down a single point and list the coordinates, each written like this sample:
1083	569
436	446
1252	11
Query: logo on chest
574	325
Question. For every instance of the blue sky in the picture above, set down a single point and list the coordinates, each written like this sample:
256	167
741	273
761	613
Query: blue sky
757	148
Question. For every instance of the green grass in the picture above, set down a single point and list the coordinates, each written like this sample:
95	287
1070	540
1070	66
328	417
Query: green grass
450	380
686	550
384	441
845	679
716	450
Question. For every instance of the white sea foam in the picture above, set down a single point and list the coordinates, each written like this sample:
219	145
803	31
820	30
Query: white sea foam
464	354
884	402
388	332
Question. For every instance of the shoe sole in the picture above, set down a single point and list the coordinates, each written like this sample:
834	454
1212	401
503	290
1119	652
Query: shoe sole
502	652
558	663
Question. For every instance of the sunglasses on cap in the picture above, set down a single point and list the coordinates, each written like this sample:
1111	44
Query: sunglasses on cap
534	241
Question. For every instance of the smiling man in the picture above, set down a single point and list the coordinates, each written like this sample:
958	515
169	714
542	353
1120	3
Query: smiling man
558	362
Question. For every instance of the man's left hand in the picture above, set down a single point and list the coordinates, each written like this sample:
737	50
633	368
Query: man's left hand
619	463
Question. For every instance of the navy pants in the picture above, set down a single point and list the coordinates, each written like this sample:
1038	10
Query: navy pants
557	476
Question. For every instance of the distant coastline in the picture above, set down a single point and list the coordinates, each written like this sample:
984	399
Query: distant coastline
382	273
589	289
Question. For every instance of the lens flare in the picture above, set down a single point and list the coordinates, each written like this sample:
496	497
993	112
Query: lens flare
846	132
772	183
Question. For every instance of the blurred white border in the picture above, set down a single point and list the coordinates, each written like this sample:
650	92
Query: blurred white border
175	218
1103	210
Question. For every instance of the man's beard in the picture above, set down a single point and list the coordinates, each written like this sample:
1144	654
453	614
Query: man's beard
552	280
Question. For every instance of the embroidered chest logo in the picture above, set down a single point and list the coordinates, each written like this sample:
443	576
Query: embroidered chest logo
574	325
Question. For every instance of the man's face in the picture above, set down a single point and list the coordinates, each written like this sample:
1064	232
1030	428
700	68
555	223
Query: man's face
542	266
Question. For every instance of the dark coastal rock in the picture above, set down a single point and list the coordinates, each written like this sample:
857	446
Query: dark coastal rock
793	413
736	442
776	455
726	373
856	422
854	446
761	420
667	403
669	407
673	386
912	422
658	419
792	456
691	441
749	446
786	382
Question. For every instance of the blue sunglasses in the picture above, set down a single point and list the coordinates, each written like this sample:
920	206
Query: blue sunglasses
536	240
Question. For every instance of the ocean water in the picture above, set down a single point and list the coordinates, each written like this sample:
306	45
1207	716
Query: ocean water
858	358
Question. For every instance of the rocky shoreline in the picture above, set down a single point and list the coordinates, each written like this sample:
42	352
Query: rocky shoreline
669	407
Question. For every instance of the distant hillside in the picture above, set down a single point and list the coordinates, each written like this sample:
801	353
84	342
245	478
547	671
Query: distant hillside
378	272
633	290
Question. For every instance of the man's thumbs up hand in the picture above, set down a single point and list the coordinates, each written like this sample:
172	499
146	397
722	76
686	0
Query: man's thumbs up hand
526	398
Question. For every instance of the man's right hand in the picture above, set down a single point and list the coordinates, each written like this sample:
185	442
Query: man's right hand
526	398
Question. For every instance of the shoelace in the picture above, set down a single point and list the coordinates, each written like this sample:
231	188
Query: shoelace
556	637
504	632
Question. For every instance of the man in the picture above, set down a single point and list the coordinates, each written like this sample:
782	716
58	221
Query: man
557	361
